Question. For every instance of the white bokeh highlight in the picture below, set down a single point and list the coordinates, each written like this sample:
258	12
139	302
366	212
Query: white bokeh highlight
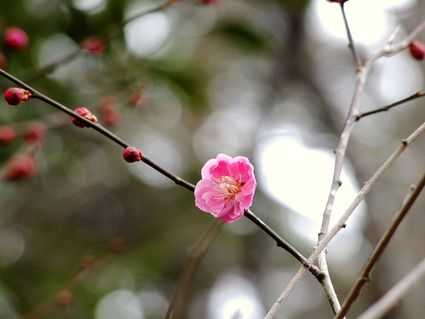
92	6
299	177
122	304
149	33
234	296
371	22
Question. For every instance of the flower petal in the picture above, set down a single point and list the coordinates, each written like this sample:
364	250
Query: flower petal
231	212
208	166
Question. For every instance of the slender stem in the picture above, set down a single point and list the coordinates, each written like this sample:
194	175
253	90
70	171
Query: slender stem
197	252
351	45
41	310
117	29
340	151
341	148
178	180
364	276
343	219
328	285
33	75
106	34
391	298
352	117
390	106
389	50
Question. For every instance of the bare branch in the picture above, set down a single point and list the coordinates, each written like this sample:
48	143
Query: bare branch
351	44
176	179
343	219
393	36
339	160
106	34
352	117
391	298
340	150
328	285
391	49
379	249
197	253
390	106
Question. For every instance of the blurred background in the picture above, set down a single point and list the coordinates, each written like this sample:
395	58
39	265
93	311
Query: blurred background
91	236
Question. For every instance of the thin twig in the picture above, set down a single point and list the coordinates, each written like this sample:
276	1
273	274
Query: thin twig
33	75
351	44
178	303
105	34
392	49
391	298
117	29
364	276
343	219
352	115
42	309
177	179
339	160
324	237
99	128
328	285
393	36
340	150
390	106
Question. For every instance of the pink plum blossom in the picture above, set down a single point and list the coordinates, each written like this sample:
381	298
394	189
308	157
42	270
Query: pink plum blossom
227	187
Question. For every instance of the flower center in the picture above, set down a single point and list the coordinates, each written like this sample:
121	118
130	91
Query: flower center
229	186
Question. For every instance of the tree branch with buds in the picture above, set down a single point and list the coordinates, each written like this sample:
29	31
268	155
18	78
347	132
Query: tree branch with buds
87	121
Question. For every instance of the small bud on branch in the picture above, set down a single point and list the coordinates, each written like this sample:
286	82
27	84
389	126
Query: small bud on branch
84	112
15	96
132	154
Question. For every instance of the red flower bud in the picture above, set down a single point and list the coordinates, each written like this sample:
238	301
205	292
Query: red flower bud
417	49
15	96
7	134
94	45
338	1
15	39
19	168
65	298
35	132
132	154
84	112
108	111
3	61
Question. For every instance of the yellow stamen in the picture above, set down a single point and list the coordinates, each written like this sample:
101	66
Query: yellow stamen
229	186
